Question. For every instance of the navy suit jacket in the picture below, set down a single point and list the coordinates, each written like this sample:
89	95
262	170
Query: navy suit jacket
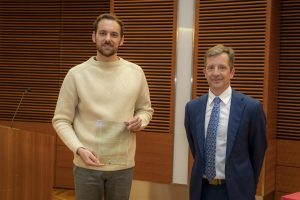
246	145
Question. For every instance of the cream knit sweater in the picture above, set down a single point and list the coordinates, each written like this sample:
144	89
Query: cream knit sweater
95	90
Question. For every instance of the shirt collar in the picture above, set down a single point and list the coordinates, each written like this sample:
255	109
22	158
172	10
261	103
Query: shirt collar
225	96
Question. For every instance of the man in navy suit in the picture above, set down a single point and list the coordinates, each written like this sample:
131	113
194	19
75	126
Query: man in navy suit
240	139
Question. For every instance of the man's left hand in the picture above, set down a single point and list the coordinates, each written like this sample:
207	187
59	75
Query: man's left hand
134	124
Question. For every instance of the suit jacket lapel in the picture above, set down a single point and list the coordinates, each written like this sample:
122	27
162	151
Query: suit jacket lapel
201	124
236	110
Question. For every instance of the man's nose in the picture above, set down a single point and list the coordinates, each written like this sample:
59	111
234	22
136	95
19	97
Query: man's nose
216	70
108	36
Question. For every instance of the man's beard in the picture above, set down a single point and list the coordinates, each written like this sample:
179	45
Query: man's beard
107	53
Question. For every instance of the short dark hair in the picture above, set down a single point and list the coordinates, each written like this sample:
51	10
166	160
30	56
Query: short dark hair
108	16
219	49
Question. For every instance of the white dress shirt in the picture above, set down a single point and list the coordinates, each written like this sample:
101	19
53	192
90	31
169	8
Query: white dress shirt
222	128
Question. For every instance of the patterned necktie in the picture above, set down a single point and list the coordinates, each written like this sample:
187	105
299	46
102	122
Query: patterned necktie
210	142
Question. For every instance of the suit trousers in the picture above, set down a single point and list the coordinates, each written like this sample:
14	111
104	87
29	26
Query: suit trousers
213	192
94	184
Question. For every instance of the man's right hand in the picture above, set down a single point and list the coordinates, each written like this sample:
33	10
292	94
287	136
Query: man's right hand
88	157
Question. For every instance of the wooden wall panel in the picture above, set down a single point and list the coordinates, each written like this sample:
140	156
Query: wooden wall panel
267	177
29	58
288	114
288	153
288	126
7	168
241	25
287	179
288	167
150	35
64	178
270	94
154	157
278	195
64	166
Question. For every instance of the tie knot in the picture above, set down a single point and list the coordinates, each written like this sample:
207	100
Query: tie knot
217	100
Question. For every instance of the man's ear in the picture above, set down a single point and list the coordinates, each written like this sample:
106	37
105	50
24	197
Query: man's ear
232	73
122	41
94	37
204	71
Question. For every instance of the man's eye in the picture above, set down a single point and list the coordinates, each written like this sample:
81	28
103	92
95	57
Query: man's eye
102	33
114	34
222	68
210	68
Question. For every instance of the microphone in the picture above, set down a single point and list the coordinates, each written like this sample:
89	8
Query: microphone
27	90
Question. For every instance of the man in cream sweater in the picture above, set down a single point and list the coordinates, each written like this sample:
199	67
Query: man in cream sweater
103	96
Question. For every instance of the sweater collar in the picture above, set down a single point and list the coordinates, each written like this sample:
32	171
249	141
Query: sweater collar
106	65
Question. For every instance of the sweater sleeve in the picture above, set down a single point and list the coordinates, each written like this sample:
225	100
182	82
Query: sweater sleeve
64	113
143	107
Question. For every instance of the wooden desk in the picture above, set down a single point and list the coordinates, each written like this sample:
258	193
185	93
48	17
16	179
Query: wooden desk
27	164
